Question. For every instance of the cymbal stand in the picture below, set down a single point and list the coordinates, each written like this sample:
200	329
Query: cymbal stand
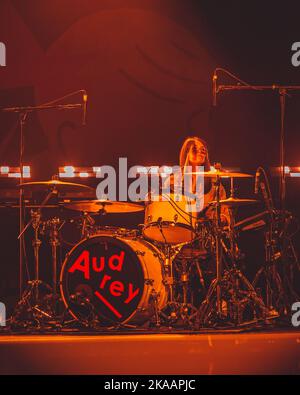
30	297
35	223
218	246
36	243
23	113
230	292
55	225
234	251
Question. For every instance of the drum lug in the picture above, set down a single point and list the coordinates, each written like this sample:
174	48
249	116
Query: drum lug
138	252
149	281
155	295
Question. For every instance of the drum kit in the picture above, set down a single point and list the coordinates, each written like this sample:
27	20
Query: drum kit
176	270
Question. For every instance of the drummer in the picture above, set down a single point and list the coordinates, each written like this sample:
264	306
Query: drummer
194	153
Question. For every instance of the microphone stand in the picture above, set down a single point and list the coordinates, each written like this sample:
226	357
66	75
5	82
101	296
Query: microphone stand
283	92
23	113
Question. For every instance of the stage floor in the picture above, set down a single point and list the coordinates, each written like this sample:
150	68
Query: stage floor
235	353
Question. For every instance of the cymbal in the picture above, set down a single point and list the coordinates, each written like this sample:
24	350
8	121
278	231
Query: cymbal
221	173
235	202
57	184
95	206
30	206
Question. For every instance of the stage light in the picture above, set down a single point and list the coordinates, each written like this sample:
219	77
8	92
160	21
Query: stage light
14	172
68	172
26	171
4	169
287	169
14	175
83	174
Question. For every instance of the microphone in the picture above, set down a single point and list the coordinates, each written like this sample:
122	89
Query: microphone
257	174
214	81
84	104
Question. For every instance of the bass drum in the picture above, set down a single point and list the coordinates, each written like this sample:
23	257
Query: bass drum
113	280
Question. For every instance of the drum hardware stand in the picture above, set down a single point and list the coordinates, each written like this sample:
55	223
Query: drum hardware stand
33	290
279	288
23	113
200	274
234	252
218	243
187	309
31	297
168	253
36	243
55	225
157	311
234	301
168	280
225	295
87	222
177	309
184	280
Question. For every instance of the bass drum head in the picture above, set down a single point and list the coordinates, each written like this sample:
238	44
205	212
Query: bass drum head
102	278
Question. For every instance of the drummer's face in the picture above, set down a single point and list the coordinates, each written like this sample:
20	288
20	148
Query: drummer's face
197	154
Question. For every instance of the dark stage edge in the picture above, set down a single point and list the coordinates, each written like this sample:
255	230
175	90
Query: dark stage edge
273	352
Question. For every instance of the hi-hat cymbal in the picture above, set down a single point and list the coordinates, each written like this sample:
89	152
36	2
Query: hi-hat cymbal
57	184
105	206
235	202
219	173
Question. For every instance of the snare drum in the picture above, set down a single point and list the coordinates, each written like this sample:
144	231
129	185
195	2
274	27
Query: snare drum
169	221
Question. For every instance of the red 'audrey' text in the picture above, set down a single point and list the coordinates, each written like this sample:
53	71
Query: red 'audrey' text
85	264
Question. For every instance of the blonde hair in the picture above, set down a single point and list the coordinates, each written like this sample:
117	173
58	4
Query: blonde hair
185	149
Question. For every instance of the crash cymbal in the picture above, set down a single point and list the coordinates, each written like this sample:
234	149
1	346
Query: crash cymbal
235	202
105	206
220	173
57	184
